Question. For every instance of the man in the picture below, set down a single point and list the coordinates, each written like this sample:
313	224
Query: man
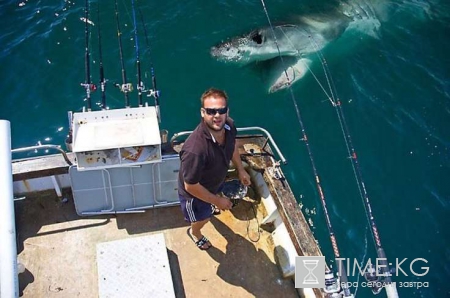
205	158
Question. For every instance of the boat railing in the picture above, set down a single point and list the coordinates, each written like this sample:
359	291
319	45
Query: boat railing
9	284
44	146
240	129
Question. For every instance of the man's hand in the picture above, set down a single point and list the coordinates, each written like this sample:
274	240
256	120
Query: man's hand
244	177
223	203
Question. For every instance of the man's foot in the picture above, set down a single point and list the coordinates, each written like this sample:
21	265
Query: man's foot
202	243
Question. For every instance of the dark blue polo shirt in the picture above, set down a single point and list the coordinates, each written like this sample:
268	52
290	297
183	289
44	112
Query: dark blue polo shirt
203	160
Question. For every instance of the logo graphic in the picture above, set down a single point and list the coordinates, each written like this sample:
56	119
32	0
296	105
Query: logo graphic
310	272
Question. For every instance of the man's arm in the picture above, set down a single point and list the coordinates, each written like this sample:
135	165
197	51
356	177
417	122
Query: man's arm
244	177
198	191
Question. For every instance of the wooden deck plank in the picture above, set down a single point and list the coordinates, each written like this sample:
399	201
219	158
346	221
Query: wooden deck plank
41	167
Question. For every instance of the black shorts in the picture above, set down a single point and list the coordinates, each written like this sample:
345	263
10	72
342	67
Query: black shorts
195	209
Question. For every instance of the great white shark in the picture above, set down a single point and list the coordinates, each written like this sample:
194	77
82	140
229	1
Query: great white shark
302	39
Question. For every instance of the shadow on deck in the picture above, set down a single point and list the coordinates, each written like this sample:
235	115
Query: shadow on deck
58	248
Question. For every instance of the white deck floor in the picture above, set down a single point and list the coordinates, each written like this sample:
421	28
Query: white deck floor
59	250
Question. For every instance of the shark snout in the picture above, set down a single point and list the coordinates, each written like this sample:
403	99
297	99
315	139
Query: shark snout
226	52
220	50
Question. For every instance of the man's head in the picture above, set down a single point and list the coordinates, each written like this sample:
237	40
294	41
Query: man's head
214	109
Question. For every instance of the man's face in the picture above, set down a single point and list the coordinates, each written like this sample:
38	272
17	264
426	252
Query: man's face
211	112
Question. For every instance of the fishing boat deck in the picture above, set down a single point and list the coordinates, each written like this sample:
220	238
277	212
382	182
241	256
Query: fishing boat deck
58	249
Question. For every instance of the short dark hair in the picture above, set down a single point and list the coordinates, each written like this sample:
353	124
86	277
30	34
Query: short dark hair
213	92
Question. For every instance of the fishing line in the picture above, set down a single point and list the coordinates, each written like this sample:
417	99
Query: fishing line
385	271
154	92
326	70
350	150
306	64
342	273
333	99
87	60
363	258
102	72
140	84
125	87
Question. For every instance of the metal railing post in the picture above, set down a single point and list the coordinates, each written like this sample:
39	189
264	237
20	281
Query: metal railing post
9	280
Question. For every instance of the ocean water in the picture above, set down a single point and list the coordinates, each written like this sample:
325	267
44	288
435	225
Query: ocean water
391	72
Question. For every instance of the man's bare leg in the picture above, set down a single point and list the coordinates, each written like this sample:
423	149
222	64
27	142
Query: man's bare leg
196	228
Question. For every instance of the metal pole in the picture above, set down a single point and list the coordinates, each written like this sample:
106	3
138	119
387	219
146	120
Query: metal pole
9	282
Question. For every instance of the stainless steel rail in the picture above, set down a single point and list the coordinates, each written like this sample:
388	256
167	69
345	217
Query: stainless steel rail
46	146
268	135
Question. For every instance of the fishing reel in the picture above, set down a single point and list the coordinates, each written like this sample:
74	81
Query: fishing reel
333	288
89	87
125	88
152	93
376	280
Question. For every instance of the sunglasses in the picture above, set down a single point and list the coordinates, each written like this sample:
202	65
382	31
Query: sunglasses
212	112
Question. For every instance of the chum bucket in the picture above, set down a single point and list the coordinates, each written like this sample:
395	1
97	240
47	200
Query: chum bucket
234	190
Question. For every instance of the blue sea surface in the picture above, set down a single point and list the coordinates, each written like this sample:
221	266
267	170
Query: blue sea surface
393	81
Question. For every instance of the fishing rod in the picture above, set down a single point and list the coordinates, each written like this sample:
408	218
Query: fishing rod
385	274
102	72
377	278
154	91
332	286
124	87
87	83
140	85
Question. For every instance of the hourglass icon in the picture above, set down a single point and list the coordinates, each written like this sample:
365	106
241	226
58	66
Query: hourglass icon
310	278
